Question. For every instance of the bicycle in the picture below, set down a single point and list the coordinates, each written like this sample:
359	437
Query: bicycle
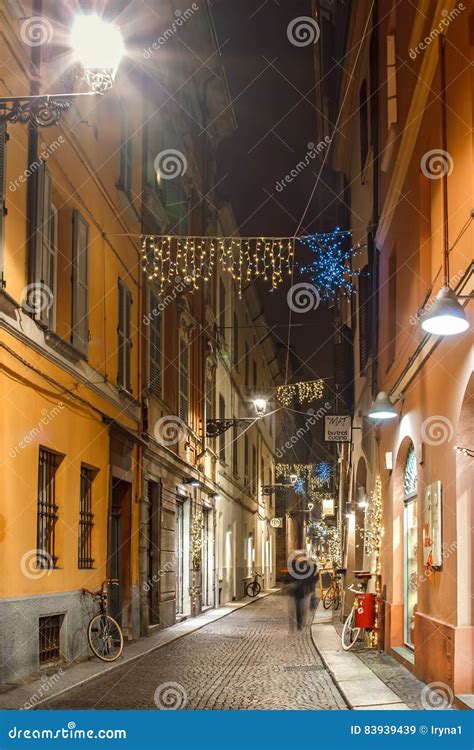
104	634
254	588
332	597
350	633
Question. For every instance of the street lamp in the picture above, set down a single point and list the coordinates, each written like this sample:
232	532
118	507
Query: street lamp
215	427
98	48
382	408
447	316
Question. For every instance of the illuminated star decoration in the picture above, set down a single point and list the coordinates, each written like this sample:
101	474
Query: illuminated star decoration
299	486
323	472
331	270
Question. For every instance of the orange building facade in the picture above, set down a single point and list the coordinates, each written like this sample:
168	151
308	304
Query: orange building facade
404	154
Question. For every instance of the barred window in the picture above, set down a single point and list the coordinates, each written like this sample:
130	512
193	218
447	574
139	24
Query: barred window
86	519
47	511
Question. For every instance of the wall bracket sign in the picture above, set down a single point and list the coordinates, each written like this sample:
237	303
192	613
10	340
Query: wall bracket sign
338	428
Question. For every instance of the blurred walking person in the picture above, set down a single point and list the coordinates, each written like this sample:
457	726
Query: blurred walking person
303	572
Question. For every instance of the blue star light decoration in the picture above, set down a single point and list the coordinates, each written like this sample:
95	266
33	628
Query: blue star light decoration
331	271
299	486
323	472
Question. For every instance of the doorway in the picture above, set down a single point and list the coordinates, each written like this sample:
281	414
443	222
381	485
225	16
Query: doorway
410	526
119	557
153	552
182	551
207	584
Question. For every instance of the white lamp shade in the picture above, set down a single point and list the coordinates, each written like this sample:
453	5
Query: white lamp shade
382	407
446	317
97	45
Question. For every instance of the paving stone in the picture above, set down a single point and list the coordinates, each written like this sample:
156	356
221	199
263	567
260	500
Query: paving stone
252	659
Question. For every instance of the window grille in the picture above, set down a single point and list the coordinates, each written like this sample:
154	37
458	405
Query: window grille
86	519
47	511
49	639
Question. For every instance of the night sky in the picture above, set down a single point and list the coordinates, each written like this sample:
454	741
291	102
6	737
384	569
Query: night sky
272	85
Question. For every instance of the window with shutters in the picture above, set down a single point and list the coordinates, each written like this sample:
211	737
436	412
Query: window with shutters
124	347
222	436
254	373
40	299
364	318
80	317
184	379
254	470
221	321
363	124
235	451
209	394
392	308
126	155
247	364
3	193
246	460
235	341
155	346
392	106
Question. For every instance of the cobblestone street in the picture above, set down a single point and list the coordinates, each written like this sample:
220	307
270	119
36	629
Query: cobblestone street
247	660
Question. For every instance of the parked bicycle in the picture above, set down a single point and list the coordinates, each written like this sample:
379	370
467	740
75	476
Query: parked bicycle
333	595
103	632
351	632
254	588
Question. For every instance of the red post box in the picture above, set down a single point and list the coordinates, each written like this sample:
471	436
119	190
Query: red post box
365	611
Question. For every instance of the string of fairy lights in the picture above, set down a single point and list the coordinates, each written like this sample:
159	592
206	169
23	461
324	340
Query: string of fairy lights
303	392
166	258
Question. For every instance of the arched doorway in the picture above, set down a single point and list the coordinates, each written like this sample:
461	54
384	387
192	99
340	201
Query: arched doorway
410	546
464	509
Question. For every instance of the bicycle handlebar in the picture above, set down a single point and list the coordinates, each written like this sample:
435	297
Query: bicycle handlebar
354	591
100	592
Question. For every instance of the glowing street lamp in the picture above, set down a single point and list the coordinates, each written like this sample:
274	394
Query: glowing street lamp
98	48
382	408
446	317
260	406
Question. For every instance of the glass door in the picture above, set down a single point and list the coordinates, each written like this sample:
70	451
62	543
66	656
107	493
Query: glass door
411	569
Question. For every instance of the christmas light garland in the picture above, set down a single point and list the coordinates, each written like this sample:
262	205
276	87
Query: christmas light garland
469	452
304	391
192	259
331	270
301	470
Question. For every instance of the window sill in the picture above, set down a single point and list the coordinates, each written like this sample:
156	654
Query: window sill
63	348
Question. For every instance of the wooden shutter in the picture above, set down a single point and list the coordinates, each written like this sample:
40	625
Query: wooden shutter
155	346
183	381
128	339
80	318
364	318
3	190
41	242
121	333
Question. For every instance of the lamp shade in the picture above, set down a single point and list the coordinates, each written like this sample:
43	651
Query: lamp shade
382	408
446	317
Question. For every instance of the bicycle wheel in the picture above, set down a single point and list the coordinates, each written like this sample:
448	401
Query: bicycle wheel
350	633
336	602
105	637
253	589
328	599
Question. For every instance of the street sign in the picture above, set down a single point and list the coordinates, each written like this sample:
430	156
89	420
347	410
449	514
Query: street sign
276	523
338	428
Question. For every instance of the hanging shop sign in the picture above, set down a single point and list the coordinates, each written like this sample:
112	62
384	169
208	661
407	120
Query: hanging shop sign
338	428
432	527
327	506
276	523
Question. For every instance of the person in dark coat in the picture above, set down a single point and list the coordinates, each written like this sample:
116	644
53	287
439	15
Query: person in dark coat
303	572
